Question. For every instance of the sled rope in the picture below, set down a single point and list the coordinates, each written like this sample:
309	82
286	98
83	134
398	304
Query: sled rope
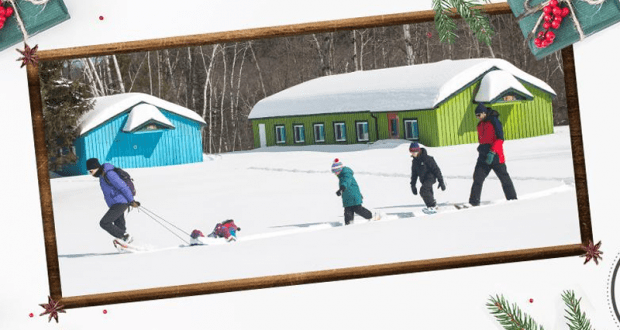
152	215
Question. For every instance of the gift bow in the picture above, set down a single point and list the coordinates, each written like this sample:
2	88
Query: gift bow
529	10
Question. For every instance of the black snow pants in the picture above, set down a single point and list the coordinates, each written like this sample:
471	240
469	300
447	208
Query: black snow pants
350	211
481	172
114	220
426	192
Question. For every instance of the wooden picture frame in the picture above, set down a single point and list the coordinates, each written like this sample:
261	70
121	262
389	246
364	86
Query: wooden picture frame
296	278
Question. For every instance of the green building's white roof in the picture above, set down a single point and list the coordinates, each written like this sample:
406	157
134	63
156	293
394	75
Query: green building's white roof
413	87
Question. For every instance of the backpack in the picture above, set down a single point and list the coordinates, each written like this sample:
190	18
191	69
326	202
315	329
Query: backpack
125	177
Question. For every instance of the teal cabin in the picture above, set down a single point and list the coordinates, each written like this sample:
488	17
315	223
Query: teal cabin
431	103
137	130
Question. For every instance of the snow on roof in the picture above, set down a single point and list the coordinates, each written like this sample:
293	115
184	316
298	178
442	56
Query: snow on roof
414	87
107	107
495	83
143	113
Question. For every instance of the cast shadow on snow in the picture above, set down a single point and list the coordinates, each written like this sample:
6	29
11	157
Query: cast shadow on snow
80	255
310	224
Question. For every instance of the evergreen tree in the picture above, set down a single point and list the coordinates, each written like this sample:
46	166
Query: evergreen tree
64	102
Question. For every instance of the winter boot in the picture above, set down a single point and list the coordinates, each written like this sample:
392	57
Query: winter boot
430	210
127	238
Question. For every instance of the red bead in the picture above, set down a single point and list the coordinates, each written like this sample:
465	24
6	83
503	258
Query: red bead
105	311
550	35
546	25
557	11
541	34
544	43
547	18
9	12
557	18
1	25
2	19
531	300
555	24
31	315
101	18
565	12
553	3
547	10
2	11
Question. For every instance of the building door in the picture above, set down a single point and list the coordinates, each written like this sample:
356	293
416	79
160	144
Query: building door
262	135
393	125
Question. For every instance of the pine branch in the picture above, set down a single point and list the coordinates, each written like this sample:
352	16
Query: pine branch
443	22
510	317
470	11
577	319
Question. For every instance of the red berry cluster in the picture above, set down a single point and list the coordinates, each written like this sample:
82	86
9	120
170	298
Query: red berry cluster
4	14
553	15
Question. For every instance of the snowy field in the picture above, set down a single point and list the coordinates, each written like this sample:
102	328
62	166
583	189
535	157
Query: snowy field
284	200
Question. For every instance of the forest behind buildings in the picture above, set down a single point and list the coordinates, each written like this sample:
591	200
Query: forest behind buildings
222	82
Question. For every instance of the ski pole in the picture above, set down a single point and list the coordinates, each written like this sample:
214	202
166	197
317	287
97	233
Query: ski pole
168	229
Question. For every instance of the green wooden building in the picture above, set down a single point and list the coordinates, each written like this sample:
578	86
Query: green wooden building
431	103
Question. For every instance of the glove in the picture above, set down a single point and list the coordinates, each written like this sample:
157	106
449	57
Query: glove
340	191
442	186
414	190
134	204
490	157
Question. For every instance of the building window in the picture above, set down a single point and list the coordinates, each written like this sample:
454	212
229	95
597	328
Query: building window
362	131
340	132
411	129
508	98
280	134
299	133
319	133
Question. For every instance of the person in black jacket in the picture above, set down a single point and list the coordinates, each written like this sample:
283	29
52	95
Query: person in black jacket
424	167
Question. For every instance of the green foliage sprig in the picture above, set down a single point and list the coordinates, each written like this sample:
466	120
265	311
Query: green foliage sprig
511	317
470	11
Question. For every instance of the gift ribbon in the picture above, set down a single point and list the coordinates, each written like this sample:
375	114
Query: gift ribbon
531	10
20	22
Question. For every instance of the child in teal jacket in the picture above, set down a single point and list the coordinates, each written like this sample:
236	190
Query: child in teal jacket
350	193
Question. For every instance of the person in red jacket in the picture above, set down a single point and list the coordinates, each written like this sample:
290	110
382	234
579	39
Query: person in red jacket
490	155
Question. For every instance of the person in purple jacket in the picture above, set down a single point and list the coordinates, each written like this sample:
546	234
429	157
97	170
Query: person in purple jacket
117	195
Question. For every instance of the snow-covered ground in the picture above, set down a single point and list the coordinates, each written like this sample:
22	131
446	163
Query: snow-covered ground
284	200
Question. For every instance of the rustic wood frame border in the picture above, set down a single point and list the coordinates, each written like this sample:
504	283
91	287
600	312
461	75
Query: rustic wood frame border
34	88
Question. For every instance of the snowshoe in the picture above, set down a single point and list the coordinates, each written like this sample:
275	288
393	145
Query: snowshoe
463	206
123	246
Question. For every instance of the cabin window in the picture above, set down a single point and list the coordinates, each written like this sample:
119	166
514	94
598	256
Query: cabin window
151	127
508	98
340	132
411	129
300	133
280	134
319	133
362	131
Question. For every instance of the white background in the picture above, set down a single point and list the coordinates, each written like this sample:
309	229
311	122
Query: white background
434	300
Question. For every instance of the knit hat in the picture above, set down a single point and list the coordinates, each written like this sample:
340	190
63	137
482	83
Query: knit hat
337	166
196	233
480	108
92	164
414	146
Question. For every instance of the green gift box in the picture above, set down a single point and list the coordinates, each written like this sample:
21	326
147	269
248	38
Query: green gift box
591	17
36	18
